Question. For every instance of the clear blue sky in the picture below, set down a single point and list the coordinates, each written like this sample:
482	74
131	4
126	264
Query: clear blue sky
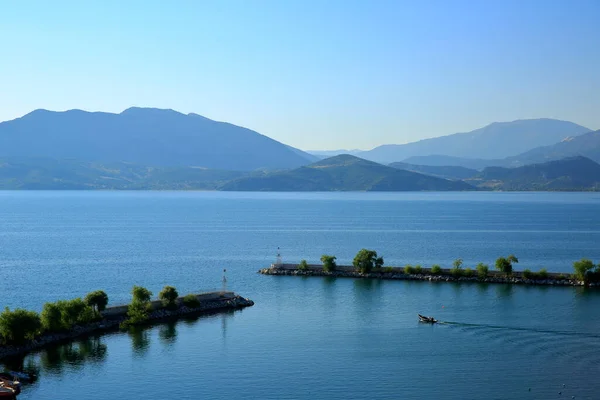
314	74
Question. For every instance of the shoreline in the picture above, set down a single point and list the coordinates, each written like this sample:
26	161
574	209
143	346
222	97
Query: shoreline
397	274
113	316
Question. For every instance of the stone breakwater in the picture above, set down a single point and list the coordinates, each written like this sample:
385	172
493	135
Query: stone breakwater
112	323
423	277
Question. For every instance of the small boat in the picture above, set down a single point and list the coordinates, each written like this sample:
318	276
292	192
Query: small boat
10	382
7	393
430	320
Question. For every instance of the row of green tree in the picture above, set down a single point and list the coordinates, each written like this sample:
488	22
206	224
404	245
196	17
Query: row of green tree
20	325
367	261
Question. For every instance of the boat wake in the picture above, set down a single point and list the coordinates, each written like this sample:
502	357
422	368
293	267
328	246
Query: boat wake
523	329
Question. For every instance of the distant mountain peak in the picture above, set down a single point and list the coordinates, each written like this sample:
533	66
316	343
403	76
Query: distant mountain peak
494	141
149	110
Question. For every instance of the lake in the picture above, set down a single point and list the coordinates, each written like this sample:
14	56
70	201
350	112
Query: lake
310	338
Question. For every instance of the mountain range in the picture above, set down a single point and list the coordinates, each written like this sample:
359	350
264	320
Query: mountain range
344	173
145	136
494	141
573	174
146	148
587	145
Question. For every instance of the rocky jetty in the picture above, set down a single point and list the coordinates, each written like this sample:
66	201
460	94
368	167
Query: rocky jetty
112	322
550	281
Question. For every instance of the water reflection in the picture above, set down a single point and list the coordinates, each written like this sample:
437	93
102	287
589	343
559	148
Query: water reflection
140	340
504	291
168	332
483	287
56	359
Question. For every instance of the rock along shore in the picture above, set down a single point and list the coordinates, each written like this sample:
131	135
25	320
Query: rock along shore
396	275
111	322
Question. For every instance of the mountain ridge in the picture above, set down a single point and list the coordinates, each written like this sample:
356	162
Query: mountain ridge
148	136
495	140
344	173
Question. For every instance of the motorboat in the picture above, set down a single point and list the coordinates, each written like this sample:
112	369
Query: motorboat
430	320
10	382
7	392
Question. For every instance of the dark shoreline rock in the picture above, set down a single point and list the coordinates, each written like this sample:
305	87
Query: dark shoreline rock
112	323
422	277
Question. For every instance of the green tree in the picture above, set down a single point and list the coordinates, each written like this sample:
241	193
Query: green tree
583	269
505	265
137	312
141	294
456	270
74	312
97	300
436	270
168	296
482	270
365	260
303	266
19	325
329	264
51	318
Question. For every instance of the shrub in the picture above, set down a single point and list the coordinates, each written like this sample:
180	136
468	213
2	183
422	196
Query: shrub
388	270
365	260
409	270
74	312
468	272
482	271
168	296
97	300
19	325
303	266
328	263
456	272
561	277
191	301
505	265
418	270
584	269
51	317
137	313
64	314
436	270
527	274
543	274
141	294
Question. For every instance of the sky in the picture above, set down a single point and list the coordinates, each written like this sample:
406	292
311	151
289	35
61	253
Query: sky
316	75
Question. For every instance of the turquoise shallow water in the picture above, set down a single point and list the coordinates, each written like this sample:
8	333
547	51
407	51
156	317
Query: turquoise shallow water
310	337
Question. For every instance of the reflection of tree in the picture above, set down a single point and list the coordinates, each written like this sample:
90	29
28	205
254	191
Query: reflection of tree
139	340
75	355
168	332
504	290
26	364
483	287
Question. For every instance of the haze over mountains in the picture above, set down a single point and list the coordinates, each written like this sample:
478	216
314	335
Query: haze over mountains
587	145
497	140
146	136
145	148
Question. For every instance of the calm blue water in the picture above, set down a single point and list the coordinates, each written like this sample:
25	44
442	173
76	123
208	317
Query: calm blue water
310	337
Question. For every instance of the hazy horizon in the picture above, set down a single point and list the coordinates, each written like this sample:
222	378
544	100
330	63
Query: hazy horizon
313	75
